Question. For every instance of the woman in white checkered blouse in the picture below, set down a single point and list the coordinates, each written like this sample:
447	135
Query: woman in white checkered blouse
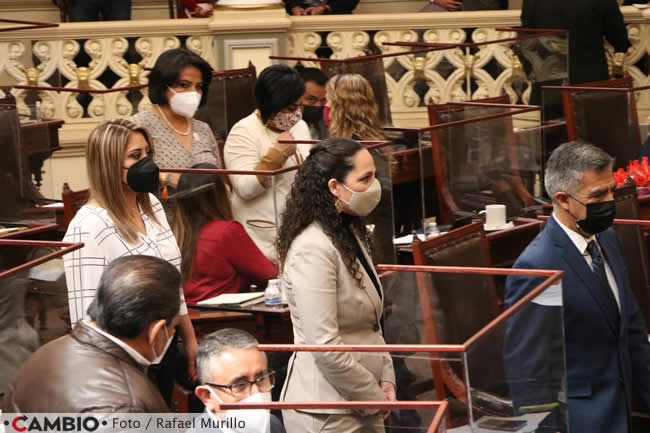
118	221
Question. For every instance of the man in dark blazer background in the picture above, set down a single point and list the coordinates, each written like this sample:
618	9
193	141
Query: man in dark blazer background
587	21
606	342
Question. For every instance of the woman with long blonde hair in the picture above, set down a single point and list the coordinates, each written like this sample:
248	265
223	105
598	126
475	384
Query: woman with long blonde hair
351	112
122	217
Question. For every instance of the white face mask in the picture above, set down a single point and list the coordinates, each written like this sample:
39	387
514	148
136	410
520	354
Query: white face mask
244	420
184	103
286	121
361	203
157	358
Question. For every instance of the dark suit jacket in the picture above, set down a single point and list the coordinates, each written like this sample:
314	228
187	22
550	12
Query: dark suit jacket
603	366
588	21
338	6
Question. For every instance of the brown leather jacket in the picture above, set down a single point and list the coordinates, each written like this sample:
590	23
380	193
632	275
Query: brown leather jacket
82	372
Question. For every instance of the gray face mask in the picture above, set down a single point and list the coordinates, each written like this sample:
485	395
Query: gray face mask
361	203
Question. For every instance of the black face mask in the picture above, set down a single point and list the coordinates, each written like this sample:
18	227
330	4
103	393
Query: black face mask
600	216
143	176
312	114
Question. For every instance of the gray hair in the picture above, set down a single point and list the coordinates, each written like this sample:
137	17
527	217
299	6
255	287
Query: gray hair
567	164
216	344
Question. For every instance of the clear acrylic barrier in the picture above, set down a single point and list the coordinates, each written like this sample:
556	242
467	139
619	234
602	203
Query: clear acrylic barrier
33	297
476	157
412	176
482	375
479	160
537	57
603	113
262	225
381	220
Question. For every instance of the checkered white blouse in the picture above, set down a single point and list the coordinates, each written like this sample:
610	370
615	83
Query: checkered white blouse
102	244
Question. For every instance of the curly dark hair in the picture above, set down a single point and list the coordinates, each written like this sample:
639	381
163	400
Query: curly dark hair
310	200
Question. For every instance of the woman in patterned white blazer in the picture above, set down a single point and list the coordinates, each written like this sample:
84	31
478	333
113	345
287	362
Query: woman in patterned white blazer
122	217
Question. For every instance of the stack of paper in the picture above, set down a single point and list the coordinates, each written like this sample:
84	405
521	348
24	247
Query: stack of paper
235	299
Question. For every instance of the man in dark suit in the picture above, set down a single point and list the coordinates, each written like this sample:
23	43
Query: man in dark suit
606	342
319	7
587	21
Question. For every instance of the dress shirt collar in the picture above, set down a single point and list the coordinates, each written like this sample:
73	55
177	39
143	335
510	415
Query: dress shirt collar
578	240
137	357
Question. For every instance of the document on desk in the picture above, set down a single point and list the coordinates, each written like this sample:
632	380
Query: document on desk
236	299
532	422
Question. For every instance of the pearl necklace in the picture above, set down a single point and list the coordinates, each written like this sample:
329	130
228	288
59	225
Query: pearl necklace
189	125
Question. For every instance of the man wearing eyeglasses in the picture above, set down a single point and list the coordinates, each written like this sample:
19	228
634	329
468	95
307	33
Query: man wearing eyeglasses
232	369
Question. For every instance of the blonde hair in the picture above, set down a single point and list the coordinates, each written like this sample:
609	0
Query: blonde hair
353	112
104	156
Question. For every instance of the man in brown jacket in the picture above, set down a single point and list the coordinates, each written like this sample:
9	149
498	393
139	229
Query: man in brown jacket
100	366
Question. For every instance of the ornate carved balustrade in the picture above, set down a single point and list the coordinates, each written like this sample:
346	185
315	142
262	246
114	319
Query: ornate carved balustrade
116	53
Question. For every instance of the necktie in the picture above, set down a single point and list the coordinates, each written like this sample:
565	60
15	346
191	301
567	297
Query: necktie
604	290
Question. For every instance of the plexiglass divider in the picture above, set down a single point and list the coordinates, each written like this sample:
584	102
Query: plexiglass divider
437	424
603	113
259	227
371	67
478	160
477	350
538	57
450	340
475	159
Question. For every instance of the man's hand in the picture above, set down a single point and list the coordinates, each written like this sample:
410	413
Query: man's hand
298	11
287	149
389	395
450	5
316	10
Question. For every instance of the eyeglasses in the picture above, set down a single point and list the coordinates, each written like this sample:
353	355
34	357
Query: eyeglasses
264	383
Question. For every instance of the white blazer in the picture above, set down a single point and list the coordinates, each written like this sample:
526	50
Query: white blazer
328	307
252	203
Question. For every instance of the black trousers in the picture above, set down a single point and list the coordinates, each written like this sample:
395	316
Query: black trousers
88	10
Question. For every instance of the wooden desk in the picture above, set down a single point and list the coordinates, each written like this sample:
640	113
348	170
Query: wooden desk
504	245
206	322
39	140
269	326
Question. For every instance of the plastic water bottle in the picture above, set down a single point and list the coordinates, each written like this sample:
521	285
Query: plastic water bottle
272	294
431	228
